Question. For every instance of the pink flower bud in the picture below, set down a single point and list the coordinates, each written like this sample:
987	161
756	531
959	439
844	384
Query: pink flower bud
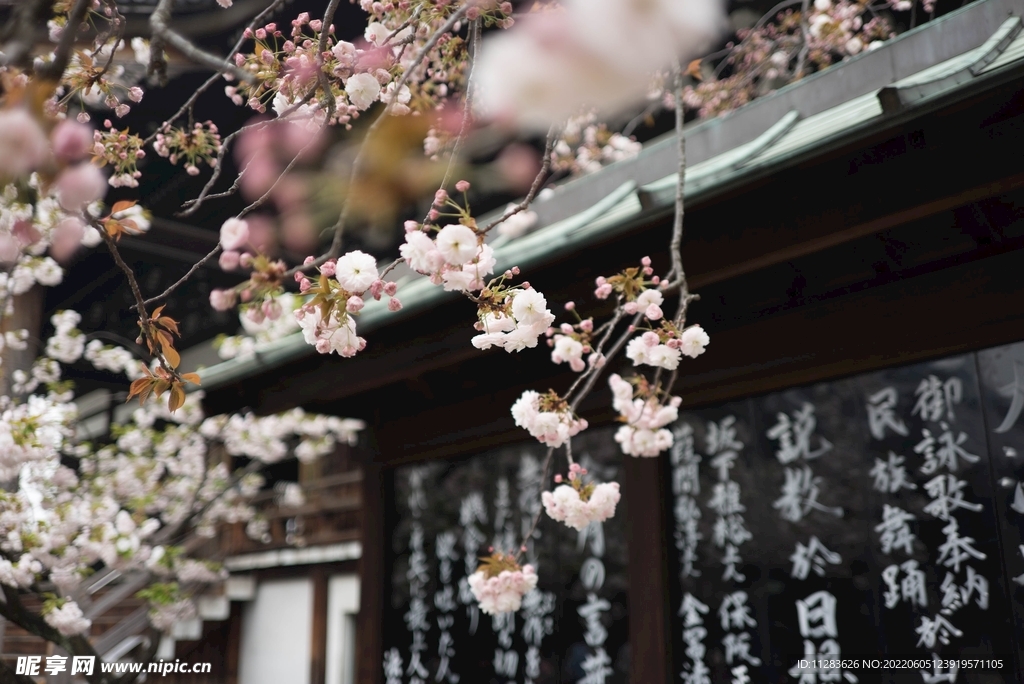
245	261
462	186
304	285
308	260
394	304
587	325
323	346
376	288
222	300
654	312
234	233
629	307
569	306
255	314
566	328
558	477
646	261
440	197
390	288
650	338
600	280
80	185
228	260
354	304
71	140
603	291
272	309
655	280
433	215
329	268
411	225
515	270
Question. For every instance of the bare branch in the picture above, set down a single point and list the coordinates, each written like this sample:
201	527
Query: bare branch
158	22
181	281
538	182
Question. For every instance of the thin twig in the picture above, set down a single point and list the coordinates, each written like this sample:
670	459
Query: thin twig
474	46
62	55
158	23
181	281
540	513
545	168
258	19
339	226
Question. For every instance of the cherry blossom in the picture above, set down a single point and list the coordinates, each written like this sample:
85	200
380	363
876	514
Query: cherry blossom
577	504
499	585
546	417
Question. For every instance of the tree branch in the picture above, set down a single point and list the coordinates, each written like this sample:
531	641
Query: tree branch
158	23
55	69
538	182
258	19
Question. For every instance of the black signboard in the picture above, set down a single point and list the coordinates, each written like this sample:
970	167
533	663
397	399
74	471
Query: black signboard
445	516
861	530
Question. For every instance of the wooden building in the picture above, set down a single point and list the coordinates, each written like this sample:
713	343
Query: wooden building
851	236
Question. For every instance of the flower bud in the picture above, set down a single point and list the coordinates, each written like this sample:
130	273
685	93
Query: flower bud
390	289
462	186
228	260
394	304
354	304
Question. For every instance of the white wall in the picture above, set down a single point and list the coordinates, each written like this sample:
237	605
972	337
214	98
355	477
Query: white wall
342	608
276	633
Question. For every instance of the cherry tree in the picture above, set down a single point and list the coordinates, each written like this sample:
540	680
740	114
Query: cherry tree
430	71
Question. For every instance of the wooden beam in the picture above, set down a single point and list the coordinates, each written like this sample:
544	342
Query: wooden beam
839	237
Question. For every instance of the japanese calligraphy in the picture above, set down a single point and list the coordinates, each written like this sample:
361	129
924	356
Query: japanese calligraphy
881	415
815	555
890	476
894	530
935	398
795	436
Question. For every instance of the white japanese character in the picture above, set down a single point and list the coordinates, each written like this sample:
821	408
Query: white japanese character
956	549
946	492
935	398
949	451
817	615
938	629
895	531
814	554
881	416
891	476
794	436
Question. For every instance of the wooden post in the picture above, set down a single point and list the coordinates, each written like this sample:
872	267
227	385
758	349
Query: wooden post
649	632
369	636
318	646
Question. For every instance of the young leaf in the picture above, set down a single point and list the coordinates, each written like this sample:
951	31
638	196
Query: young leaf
123	205
177	398
191	377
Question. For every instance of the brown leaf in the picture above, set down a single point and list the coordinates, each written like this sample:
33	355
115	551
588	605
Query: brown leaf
191	377
171	355
177	397
693	70
122	205
140	387
160	386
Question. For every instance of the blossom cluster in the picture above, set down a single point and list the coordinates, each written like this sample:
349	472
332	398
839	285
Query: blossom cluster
577	504
499	585
547	417
785	48
587	146
200	144
645	417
